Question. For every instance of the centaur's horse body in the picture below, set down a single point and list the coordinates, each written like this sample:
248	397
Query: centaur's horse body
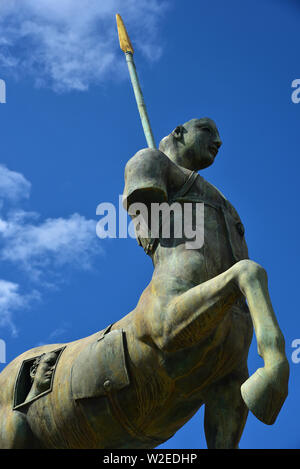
186	343
156	403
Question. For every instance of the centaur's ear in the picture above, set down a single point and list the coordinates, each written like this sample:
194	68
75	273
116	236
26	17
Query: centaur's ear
178	132
32	371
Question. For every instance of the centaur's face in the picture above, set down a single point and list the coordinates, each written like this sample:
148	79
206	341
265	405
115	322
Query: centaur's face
201	142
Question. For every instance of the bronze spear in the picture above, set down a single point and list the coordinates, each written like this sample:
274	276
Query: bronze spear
127	48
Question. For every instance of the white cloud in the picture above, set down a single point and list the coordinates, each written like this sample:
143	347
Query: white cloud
42	249
11	300
69	44
13	186
54	243
34	245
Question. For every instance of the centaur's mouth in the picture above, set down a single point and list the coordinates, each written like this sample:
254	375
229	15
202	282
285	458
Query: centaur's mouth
213	149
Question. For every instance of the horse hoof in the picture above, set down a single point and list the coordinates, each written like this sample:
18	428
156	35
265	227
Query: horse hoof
266	390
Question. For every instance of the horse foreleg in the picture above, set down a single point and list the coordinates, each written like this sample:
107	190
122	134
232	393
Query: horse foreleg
194	314
266	390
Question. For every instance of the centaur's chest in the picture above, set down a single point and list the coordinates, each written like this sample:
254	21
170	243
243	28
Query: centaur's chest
224	241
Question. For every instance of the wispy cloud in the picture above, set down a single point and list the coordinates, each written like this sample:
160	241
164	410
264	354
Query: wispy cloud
59	335
43	249
13	185
69	44
60	331
51	244
12	300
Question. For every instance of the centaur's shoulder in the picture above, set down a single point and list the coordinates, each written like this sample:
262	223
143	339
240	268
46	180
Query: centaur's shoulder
146	177
145	159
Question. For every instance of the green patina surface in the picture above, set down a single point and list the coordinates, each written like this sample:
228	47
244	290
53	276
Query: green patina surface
185	344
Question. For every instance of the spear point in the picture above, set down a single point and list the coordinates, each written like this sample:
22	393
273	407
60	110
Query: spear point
125	43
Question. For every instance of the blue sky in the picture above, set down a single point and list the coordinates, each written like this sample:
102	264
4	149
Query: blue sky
70	124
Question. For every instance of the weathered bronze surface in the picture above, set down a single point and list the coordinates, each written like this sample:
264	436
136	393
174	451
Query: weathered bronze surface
185	344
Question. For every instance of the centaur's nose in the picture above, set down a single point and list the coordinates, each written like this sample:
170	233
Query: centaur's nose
217	141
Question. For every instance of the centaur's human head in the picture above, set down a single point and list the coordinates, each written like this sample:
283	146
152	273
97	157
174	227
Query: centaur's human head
193	145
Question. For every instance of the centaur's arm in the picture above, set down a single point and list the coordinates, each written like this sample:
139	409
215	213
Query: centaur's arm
146	178
150	177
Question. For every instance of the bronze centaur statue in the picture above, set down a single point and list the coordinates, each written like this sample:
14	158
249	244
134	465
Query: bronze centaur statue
134	384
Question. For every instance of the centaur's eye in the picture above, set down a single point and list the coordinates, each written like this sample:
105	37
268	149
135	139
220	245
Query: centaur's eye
207	129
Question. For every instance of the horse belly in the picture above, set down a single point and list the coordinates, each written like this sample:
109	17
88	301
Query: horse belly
68	424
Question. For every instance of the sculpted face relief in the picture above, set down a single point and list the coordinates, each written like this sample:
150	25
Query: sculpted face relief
41	374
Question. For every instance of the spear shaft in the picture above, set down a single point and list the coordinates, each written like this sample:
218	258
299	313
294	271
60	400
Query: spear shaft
127	48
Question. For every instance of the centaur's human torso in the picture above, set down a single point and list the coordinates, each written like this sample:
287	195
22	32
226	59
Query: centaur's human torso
116	388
